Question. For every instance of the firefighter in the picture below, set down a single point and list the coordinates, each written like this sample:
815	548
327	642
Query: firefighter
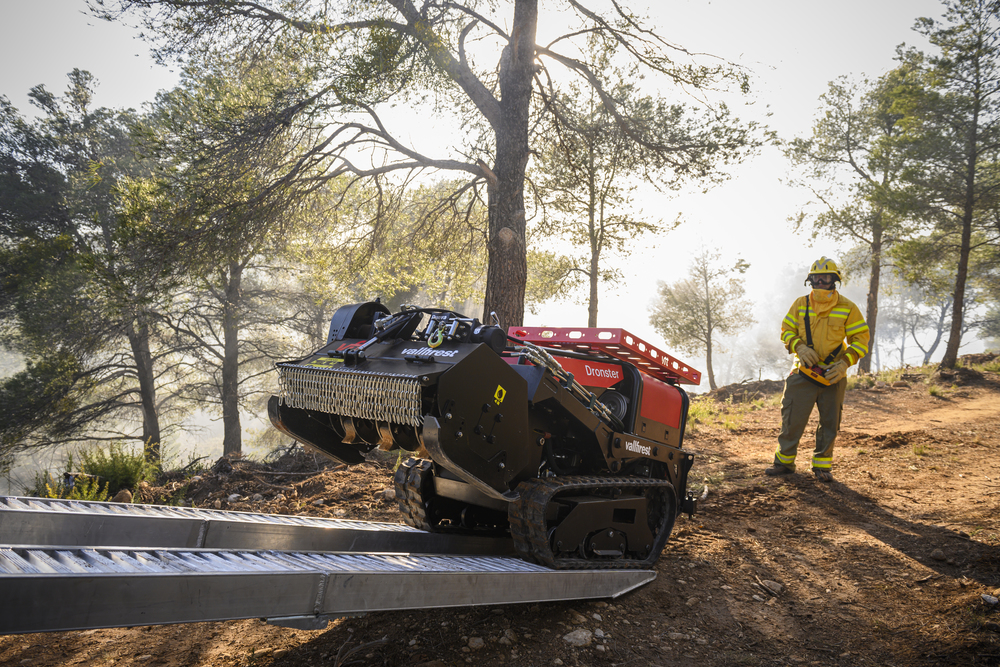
828	334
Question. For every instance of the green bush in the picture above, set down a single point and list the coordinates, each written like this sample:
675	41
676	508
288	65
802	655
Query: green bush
73	487
117	467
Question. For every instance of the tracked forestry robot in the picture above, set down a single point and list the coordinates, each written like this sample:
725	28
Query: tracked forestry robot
570	439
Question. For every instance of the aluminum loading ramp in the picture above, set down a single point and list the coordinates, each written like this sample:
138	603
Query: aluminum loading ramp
50	587
54	522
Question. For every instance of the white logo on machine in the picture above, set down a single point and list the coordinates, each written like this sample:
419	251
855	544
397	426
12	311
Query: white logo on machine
613	373
428	352
634	446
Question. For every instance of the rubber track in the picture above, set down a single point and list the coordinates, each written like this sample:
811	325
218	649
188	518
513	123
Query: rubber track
529	530
411	475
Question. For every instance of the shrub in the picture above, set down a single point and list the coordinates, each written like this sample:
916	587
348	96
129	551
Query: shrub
119	468
72	487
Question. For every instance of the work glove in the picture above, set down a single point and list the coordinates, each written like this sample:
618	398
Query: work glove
836	372
807	355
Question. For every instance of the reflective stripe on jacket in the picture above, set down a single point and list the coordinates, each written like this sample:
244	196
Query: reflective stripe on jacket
842	324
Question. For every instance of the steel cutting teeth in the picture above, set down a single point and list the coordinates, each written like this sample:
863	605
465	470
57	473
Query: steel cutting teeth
392	398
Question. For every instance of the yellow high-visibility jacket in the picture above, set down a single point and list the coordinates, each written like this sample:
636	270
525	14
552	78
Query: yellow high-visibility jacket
843	323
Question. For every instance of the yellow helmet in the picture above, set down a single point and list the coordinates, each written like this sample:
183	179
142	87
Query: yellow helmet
825	265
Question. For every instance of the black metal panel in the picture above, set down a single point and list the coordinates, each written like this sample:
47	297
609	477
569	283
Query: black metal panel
354	321
311	432
483	408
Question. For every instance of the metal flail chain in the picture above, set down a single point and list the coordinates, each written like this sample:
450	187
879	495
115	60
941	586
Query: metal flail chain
359	394
540	357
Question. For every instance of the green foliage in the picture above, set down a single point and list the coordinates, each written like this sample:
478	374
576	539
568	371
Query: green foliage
82	488
44	396
71	486
592	161
692	313
117	466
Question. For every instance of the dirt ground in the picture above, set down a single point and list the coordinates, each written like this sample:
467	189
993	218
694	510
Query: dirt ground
888	565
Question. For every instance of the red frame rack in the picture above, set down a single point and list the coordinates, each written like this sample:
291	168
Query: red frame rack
616	343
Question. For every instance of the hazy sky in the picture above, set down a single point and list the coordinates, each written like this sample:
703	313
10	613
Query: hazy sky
792	47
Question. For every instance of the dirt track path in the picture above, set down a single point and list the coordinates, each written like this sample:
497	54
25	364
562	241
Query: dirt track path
952	411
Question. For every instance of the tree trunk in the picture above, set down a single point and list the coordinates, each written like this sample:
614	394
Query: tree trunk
137	331
708	364
232	433
962	274
871	312
508	267
595	259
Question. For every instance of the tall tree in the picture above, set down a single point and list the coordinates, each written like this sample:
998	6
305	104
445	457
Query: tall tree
951	121
78	283
852	163
690	314
590	167
364	56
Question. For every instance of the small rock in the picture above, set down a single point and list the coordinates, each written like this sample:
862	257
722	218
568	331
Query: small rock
280	498
581	637
760	599
726	588
389	494
774	586
692	602
476	643
318	502
600	648
280	653
123	496
257	497
900	384
938	554
195	479
413	642
217	504
601	604
233	498
505	641
990	599
596	616
677	636
599	633
996	592
576	618
557	661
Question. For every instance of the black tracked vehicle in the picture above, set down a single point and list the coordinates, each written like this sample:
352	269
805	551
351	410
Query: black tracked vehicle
570	439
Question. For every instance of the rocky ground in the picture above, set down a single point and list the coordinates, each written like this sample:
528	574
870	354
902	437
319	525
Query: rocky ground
896	563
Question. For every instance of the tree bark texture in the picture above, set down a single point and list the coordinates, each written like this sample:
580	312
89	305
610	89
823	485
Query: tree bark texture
962	274
508	267
138	337
232	433
871	312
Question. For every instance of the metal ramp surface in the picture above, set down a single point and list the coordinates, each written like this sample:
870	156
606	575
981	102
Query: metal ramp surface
56	522
46	586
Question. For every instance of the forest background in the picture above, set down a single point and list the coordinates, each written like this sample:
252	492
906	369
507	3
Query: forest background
790	53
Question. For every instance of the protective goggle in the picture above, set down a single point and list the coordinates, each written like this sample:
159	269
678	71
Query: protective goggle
822	279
